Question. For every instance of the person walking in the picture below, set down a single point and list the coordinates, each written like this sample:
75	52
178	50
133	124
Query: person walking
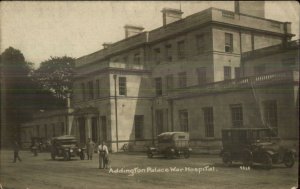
103	156
90	149
16	152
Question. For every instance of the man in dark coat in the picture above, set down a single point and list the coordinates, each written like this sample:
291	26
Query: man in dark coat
16	152
90	149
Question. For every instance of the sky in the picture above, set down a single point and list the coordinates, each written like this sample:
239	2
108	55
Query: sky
44	29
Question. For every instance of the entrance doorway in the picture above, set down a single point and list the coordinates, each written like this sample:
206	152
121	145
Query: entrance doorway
81	125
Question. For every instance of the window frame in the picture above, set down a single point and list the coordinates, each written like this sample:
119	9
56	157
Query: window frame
228	44
122	86
182	79
237	118
208	118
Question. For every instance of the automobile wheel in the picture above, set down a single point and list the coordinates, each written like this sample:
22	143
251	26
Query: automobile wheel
289	160
226	157
247	158
150	154
52	156
66	156
186	155
81	156
267	161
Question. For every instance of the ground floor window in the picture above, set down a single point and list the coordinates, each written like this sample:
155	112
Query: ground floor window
208	121
138	126
270	114
103	128
183	120
237	115
159	116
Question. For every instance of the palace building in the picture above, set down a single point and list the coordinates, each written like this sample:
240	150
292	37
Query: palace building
211	70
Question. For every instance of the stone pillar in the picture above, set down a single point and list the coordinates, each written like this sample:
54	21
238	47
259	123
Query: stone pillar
88	126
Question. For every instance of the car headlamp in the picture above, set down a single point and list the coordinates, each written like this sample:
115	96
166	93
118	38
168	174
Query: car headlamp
71	150
79	150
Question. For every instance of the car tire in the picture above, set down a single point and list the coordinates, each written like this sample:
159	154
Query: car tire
66	156
52	156
81	156
186	155
247	158
289	160
226	157
267	161
150	155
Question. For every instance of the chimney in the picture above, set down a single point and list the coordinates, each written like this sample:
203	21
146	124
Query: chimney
131	30
253	8
106	45
171	15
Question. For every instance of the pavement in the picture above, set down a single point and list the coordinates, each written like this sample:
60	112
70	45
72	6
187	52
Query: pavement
135	170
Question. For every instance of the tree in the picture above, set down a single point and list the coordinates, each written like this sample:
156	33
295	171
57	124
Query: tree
17	90
56	75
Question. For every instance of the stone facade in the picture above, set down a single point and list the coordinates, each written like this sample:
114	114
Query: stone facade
186	76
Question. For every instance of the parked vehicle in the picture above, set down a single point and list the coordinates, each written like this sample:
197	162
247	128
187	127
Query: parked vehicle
39	144
254	145
171	144
66	146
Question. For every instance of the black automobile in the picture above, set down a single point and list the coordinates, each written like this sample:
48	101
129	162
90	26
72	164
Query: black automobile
171	144
66	146
254	145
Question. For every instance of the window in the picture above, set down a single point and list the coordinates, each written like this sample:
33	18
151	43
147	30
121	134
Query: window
98	88
83	91
270	113
158	86
228	42
169	82
180	50
53	130
159	120
38	131
237	72
62	127
227	72
103	128
157	56
94	129
122	86
137	58
91	89
200	42
288	62
125	59
183	120
138	126
46	133
208	121
260	69
168	53
201	72
237	115
182	79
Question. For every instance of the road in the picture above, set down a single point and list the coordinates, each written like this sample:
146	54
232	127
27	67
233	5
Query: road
199	171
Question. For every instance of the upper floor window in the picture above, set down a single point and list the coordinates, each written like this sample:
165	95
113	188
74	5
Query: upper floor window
200	43
201	73
157	55
288	62
169	82
237	115
158	86
83	91
137	58
227	72
181	50
182	79
169	53
228	42
90	89
98	88
125	59
122	86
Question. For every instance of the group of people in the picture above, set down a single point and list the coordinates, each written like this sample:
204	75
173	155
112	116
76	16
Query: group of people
90	146
102	151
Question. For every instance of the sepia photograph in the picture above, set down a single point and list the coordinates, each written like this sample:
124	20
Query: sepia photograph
149	94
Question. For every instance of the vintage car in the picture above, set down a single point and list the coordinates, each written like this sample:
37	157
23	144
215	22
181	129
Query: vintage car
66	146
254	145
171	144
